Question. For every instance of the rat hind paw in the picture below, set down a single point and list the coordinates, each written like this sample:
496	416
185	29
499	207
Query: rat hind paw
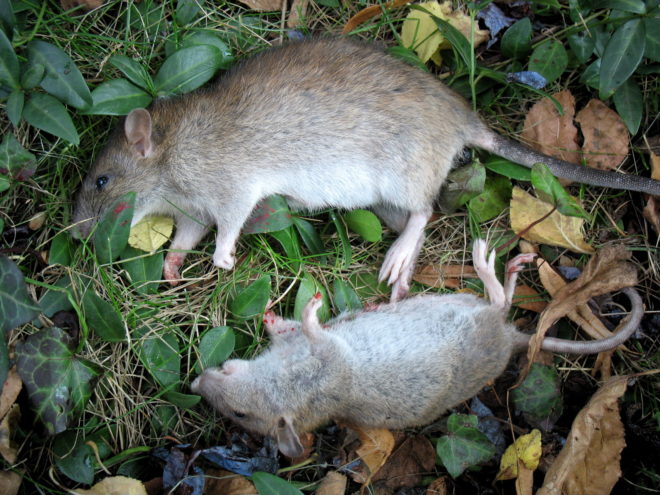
485	269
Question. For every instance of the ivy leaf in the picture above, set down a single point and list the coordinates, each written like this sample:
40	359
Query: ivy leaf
462	185
270	215
46	113
117	97
62	78
251	301
20	163
493	201
538	397
549	59
111	235
187	69
58	384
215	346
16	306
465	446
516	41
623	53
73	457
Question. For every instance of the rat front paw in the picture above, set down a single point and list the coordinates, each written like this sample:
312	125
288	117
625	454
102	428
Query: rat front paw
171	265
224	260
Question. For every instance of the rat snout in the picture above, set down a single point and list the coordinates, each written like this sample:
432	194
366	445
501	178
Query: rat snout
196	384
82	228
202	381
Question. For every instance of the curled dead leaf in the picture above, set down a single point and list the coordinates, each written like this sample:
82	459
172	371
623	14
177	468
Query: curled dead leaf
87	4
10	390
443	275
589	463
438	487
526	297
605	135
411	458
150	233
333	483
526	450
376	446
263	5
550	133
10	482
114	485
556	230
298	12
221	482
372	11
8	450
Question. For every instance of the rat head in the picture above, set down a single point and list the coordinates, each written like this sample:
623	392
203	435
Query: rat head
126	164
236	391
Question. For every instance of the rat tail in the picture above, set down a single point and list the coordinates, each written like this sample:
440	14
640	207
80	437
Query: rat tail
625	330
523	155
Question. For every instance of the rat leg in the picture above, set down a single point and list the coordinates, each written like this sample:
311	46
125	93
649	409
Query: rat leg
400	259
277	327
229	221
485	268
395	218
311	326
511	273
401	287
188	233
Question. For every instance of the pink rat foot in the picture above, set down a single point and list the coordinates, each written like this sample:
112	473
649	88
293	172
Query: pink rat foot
516	264
173	261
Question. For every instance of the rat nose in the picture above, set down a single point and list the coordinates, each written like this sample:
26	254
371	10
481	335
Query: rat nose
196	384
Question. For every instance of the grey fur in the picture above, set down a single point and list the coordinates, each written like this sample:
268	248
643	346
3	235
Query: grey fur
399	365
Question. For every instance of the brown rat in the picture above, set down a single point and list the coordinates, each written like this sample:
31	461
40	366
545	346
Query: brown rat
324	122
402	364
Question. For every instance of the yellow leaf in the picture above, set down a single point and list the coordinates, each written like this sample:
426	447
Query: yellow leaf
376	447
150	233
527	449
420	32
556	230
115	485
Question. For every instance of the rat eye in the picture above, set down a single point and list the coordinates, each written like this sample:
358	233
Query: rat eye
239	414
101	181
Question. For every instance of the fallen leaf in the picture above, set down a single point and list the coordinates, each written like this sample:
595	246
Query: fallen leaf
443	275
221	482
369	12
8	450
87	4
298	12
115	485
150	233
652	209
333	483
550	133
525	480
307	441
10	482
411	458
556	230
438	487
605	135
10	390
37	221
263	5
376	446
526	297
589	463
420	32
526	449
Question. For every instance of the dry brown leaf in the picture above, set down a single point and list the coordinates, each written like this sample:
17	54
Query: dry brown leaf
307	441
263	5
589	463
525	480
115	485
605	136
10	390
298	11
333	483
221	482
607	271
652	209
37	221
87	4
376	446
438	487
550	133
556	230
8	450
443	275
10	482
411	458
526	297
369	12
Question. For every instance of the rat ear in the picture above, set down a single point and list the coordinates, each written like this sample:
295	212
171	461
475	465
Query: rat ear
137	128
287	439
235	367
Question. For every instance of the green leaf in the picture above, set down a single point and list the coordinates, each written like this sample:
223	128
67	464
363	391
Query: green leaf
16	306
591	75
4	185
161	356
551	191
629	103
62	78
458	42
134	71
271	214
582	44
9	69
183	401
623	53
73	457
102	318
365	224
345	298
56	298
329	3
343	238
187	69
61	250
14	106
32	76
465	446
309	235
549	59
112	231
269	484
508	169
493	201
117	97
187	10
289	241
407	55
517	40
58	384
17	160
4	360
7	17
46	113
462	185
366	285
538	397
144	270
652	28
215	346
634	6
211	39
251	301
146	18
306	290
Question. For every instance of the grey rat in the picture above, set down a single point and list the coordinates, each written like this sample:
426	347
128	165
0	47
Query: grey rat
324	122
401	364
